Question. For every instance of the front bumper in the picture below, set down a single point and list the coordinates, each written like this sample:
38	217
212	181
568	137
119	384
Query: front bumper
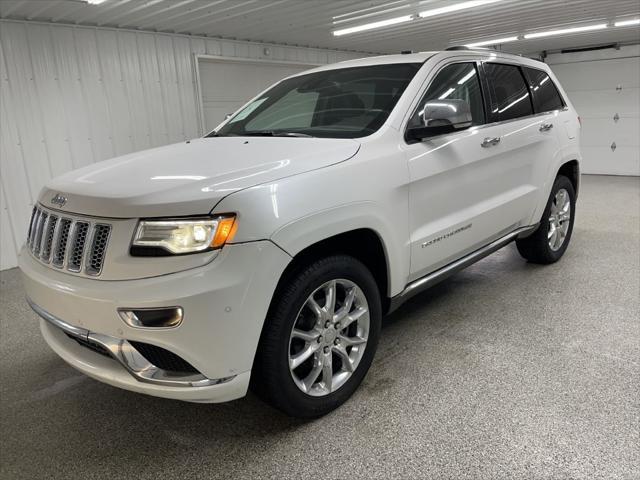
224	304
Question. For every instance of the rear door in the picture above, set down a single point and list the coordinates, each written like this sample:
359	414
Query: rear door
529	139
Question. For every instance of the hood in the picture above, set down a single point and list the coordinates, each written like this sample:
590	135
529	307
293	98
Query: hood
189	178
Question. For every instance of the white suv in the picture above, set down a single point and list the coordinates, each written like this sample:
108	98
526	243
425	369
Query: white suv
266	253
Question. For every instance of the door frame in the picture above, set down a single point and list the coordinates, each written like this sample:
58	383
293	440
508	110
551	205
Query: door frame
198	57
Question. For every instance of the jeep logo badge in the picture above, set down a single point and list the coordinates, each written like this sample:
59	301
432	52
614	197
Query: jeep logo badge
59	200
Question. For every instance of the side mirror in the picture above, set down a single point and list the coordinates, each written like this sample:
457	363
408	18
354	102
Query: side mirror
442	116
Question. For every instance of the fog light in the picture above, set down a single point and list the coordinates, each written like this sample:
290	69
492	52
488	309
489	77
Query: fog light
165	317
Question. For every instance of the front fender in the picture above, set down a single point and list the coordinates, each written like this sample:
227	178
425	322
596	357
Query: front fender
301	233
297	212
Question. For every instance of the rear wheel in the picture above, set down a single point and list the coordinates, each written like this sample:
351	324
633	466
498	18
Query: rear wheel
549	242
320	338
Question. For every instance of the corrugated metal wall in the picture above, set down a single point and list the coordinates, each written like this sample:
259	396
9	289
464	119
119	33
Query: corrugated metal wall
71	96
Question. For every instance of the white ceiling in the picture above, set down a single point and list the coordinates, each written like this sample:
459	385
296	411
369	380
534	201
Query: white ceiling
310	22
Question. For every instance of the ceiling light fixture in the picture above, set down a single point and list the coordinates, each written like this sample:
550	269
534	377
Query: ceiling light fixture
454	8
627	23
495	41
566	31
371	26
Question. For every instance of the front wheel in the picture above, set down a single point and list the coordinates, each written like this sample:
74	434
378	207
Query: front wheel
550	240
320	337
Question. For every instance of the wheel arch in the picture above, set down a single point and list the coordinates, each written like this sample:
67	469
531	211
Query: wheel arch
364	244
571	170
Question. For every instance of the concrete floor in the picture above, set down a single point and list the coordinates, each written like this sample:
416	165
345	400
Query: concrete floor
507	370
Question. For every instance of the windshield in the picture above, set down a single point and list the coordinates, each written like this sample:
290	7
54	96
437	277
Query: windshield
344	103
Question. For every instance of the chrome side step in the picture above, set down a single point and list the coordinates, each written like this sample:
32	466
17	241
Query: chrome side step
437	276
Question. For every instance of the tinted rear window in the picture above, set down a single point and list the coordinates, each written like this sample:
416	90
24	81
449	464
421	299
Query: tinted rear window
545	93
511	97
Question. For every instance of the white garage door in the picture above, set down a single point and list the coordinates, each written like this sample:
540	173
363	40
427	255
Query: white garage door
606	94
227	85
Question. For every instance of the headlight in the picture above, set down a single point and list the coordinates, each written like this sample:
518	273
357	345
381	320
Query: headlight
179	236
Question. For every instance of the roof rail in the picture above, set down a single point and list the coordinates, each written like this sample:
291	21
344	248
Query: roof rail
456	47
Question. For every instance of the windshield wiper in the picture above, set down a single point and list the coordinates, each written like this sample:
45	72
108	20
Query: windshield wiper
274	133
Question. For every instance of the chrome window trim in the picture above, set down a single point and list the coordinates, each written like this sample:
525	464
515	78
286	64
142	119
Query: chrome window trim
124	353
478	61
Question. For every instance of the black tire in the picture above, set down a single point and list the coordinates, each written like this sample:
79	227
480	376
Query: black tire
535	248
271	378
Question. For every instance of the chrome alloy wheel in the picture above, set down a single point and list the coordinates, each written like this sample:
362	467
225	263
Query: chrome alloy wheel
329	337
559	219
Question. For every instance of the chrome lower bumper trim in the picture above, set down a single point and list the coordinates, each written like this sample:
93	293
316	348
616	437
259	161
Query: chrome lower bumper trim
431	279
124	353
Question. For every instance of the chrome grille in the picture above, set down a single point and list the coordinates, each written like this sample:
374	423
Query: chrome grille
61	243
80	230
37	239
47	240
96	257
77	245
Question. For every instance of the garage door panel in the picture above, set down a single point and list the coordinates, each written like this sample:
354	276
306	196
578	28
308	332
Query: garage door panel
596	103
602	160
597	75
623	133
600	90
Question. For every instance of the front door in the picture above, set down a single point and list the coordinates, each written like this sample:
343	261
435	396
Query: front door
455	187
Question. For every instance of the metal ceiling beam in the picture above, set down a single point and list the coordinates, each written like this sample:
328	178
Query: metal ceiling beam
190	11
113	18
94	11
9	10
137	19
47	6
229	17
180	26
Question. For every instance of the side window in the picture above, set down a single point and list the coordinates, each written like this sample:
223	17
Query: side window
545	94
512	98
458	81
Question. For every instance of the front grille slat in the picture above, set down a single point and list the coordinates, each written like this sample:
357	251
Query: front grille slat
34	228
96	255
48	236
77	245
34	213
76	250
61	243
37	239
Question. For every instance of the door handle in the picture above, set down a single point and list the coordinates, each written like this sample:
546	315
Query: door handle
490	142
545	127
